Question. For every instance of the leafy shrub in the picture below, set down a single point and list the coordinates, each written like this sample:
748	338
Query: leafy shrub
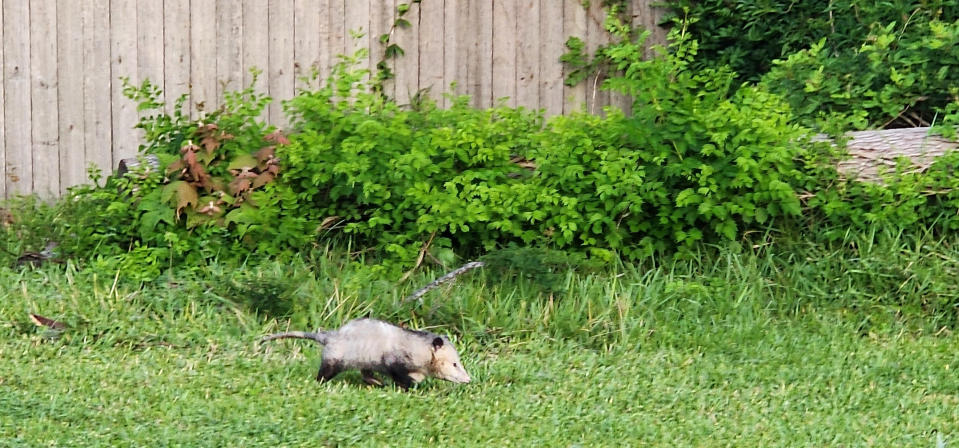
211	195
895	79
693	162
747	35
395	178
907	198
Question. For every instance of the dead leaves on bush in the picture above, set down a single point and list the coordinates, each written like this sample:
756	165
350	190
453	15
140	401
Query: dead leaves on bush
203	190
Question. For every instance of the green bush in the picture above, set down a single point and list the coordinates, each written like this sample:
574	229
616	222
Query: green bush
695	161
841	65
398	178
894	79
907	198
210	197
748	35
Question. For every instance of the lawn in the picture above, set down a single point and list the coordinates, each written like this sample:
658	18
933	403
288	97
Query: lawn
707	353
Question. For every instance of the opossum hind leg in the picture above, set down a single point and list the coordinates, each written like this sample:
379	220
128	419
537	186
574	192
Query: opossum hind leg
328	370
369	377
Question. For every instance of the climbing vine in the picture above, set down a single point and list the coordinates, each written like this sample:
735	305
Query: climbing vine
391	50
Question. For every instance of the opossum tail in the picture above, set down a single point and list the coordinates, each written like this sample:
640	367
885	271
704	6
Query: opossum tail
320	337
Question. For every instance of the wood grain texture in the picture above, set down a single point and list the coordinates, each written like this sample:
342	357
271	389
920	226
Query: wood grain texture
98	84
3	145
596	36
45	115
229	34
407	65
63	106
123	58
281	70
381	22
481	60
430	32
356	21
176	51
551	46
306	40
451	50
504	51
528	46
574	25
69	92
150	31
18	164
203	56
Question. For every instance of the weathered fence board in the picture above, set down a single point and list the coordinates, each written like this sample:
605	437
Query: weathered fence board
18	166
44	116
62	106
3	71
176	51
281	70
574	24
123	64
72	167
97	86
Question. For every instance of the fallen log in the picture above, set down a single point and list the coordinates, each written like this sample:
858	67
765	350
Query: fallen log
870	151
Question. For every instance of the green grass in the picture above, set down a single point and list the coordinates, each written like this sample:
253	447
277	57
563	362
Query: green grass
808	346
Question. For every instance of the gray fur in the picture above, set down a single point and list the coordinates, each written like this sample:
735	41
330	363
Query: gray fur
371	346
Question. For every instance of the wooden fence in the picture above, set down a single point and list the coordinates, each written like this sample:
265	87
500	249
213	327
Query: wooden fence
63	109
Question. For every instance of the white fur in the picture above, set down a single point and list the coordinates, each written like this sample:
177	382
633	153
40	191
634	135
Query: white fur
371	344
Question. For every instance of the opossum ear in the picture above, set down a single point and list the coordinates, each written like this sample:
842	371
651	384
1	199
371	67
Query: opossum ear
437	342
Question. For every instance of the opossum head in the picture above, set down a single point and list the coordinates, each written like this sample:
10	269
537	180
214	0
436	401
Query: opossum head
446	364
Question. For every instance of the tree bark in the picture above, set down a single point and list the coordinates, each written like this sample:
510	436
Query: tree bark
870	151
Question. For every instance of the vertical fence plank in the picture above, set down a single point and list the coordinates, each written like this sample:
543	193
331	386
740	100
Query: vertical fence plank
574	25
356	21
552	45
381	20
647	14
62	99
482	56
176	52
123	37
43	86
407	70
337	29
431	31
466	62
324	60
504	51
306	39
229	73
150	31
69	33
528	38
18	168
596	35
451	53
98	84
203	56
255	48
281	58
618	100
3	127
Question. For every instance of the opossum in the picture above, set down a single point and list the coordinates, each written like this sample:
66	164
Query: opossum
371	346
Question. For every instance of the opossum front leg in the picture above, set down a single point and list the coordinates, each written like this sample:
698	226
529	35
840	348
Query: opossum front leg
369	377
401	376
328	370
